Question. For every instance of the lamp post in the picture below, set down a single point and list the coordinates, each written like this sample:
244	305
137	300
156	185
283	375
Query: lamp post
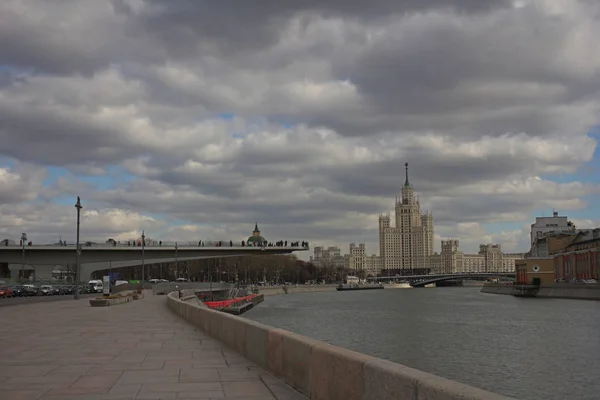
210	282
176	263
23	240
77	252
143	263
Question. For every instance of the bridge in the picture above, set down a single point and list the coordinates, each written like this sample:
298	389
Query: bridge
95	257
423	280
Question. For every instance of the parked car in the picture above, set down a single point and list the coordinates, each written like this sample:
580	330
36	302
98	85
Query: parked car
6	292
65	290
32	290
46	290
95	286
19	291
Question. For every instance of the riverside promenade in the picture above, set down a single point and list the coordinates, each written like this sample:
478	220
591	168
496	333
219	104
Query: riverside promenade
139	350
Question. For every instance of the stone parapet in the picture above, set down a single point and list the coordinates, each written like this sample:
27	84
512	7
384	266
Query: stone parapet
320	370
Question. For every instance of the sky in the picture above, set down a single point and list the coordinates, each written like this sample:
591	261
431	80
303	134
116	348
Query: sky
192	120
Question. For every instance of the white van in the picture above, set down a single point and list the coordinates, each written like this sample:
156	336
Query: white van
95	286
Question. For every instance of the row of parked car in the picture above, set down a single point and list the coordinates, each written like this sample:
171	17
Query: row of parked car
41	290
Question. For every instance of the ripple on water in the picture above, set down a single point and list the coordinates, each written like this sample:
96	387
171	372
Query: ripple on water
526	348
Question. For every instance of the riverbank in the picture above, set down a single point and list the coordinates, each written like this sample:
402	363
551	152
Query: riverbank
572	291
274	290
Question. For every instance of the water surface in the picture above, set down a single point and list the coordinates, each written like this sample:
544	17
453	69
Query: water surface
525	348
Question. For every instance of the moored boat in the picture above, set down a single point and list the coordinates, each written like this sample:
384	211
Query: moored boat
399	285
343	288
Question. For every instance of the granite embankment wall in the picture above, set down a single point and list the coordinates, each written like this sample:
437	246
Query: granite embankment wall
273	290
319	370
575	291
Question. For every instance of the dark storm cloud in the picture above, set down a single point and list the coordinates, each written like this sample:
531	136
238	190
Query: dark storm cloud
47	138
427	173
69	37
250	25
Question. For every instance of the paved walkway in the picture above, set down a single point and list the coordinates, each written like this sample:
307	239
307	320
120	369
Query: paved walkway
139	350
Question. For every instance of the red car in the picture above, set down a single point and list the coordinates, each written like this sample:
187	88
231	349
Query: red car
6	292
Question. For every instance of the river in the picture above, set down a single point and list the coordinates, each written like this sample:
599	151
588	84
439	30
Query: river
527	348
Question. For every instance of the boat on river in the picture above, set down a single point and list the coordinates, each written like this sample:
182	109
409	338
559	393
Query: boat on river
344	288
397	285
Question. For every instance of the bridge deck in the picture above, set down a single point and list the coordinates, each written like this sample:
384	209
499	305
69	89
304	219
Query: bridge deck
140	350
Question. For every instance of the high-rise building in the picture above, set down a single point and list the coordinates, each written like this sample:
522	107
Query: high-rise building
409	243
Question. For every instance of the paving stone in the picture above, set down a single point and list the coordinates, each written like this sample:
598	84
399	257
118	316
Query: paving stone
96	381
80	391
71	369
247	388
150	376
125	389
138	350
199	375
21	394
25	370
201	396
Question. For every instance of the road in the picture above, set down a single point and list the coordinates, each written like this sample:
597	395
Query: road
41	299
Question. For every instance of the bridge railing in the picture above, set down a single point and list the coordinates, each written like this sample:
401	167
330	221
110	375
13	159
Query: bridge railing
222	243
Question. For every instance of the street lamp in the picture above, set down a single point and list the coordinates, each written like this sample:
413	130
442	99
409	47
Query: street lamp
210	282
23	240
143	264
77	252
176	263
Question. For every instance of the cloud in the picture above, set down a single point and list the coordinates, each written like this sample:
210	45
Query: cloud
196	119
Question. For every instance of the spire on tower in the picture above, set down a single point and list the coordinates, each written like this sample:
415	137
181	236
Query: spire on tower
406	169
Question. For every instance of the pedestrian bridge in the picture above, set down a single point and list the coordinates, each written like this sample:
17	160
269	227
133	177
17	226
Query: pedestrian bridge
46	258
60	255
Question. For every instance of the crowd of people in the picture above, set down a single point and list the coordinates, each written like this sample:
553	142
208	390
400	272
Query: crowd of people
221	243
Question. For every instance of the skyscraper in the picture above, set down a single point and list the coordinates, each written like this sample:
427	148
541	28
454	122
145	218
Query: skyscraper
409	243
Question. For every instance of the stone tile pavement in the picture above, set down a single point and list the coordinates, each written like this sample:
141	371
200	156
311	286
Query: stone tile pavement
139	350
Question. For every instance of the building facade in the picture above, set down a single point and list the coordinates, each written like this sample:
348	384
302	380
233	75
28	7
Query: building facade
580	260
490	258
357	260
555	223
408	243
536	268
330	256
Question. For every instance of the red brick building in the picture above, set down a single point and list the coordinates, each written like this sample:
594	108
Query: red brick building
581	259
